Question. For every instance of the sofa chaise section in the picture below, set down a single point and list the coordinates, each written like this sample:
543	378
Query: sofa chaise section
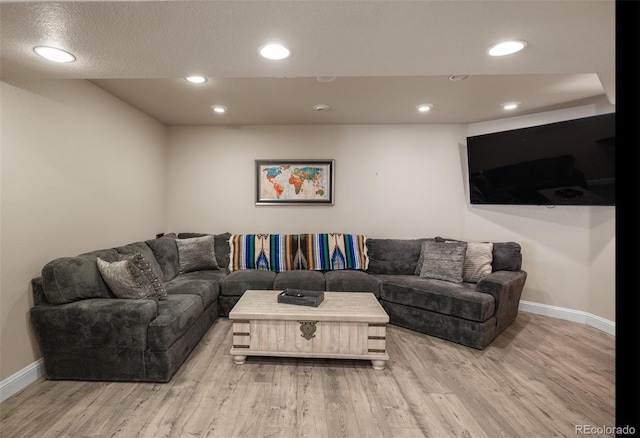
469	313
87	333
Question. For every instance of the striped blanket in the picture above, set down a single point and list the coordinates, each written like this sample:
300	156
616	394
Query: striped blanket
287	252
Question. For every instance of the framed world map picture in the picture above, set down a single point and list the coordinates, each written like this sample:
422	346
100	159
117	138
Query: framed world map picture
286	182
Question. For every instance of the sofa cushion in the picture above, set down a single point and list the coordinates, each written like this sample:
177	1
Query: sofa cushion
142	248
165	251
351	281
477	261
175	317
237	282
443	260
205	284
68	279
131	277
507	256
308	280
393	256
456	299
196	254
222	249
221	246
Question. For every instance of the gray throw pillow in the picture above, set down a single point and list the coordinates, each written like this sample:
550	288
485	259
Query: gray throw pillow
197	254
477	261
443	260
132	277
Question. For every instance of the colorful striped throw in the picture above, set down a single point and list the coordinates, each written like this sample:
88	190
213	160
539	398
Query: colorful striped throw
286	252
335	251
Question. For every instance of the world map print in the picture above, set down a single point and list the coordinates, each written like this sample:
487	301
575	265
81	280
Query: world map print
294	182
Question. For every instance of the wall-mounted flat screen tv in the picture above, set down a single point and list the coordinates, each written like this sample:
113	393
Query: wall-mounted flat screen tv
564	163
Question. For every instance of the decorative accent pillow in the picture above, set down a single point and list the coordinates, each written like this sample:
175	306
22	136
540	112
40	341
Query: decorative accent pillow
132	277
197	254
443	260
477	262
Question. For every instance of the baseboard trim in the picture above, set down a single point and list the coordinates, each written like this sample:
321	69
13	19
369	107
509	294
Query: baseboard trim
20	380
570	315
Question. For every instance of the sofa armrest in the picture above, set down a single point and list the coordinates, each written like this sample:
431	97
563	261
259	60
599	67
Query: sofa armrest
96	323
506	287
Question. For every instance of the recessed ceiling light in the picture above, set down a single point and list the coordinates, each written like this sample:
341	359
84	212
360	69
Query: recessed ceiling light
425	107
196	79
456	78
325	78
274	52
219	109
506	48
321	107
510	105
54	54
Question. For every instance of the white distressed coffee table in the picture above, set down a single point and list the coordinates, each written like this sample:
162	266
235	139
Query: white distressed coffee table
346	325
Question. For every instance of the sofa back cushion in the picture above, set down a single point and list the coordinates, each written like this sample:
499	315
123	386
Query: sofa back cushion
165	252
69	279
393	256
507	256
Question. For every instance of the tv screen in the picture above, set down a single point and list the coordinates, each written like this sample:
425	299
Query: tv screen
564	163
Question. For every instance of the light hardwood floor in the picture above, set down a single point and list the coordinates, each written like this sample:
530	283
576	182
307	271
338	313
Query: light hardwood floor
540	378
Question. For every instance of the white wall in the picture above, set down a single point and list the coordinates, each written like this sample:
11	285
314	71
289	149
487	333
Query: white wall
81	170
397	181
391	181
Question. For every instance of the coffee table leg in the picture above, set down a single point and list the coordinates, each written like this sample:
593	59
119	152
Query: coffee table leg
239	360
378	364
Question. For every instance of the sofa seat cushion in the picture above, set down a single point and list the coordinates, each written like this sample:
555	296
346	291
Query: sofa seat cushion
461	300
175	317
351	281
69	279
205	284
309	280
237	282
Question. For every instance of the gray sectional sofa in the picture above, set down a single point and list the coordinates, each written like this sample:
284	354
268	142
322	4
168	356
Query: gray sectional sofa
87	332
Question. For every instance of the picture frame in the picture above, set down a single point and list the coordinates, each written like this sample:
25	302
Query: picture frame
294	182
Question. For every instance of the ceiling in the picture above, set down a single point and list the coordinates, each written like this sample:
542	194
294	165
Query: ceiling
386	57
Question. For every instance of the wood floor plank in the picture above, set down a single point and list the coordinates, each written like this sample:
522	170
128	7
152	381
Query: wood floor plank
540	378
311	414
282	406
369	413
339	411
